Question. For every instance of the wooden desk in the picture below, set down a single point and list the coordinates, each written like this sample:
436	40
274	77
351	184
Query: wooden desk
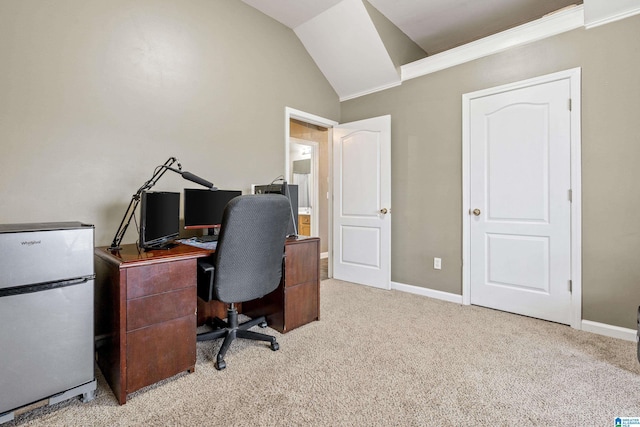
146	309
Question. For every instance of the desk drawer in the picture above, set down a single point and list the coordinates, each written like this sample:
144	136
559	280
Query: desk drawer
300	305
301	263
159	308
160	351
162	277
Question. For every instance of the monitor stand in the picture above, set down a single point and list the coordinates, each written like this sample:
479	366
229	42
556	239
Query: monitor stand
211	236
207	238
161	247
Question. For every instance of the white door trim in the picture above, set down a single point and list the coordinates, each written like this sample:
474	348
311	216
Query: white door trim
574	76
291	113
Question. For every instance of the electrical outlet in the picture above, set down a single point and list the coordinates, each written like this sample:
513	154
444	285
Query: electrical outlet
437	264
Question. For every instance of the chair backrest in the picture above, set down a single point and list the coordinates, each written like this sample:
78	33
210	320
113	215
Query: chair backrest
248	257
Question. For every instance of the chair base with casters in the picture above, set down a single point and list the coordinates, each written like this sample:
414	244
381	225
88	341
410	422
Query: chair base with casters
231	330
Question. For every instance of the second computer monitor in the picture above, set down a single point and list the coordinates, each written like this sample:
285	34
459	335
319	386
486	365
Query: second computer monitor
204	208
289	190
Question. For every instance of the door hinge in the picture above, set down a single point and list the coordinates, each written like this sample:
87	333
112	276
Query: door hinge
570	106
570	286
570	195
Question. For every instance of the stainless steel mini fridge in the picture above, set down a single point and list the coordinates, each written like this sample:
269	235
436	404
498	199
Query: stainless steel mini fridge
46	315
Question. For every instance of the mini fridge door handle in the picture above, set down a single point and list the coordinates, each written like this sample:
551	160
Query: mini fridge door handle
28	289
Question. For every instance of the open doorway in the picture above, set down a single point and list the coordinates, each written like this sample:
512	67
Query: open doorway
347	254
308	151
305	162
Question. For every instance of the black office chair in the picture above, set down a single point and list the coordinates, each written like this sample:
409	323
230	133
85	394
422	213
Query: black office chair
247	264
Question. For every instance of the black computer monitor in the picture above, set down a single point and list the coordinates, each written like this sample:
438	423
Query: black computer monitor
159	219
203	209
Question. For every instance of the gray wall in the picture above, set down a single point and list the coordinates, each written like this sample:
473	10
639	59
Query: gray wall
426	155
94	94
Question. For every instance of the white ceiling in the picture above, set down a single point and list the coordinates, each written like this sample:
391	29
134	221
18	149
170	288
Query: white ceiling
343	41
435	25
438	25
292	12
347	48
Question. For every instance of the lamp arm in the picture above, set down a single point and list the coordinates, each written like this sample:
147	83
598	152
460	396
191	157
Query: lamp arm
135	200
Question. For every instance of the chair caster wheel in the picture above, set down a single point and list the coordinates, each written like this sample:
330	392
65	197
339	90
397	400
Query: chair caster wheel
262	324
275	346
221	365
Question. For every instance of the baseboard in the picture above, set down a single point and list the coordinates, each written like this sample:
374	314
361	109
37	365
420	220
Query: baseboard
586	325
609	330
431	293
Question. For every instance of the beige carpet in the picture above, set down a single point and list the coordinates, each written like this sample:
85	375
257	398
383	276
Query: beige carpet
386	358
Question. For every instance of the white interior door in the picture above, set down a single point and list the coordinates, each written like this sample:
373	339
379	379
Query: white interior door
362	202
520	201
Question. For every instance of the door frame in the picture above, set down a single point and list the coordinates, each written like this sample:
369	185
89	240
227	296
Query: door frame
574	76
292	113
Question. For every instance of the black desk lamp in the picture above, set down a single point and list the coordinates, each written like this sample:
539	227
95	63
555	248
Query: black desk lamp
135	199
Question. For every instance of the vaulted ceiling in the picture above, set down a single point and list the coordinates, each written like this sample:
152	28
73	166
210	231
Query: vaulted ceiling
360	44
434	25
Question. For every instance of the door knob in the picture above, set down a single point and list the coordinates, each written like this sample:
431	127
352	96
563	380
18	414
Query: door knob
476	212
383	211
